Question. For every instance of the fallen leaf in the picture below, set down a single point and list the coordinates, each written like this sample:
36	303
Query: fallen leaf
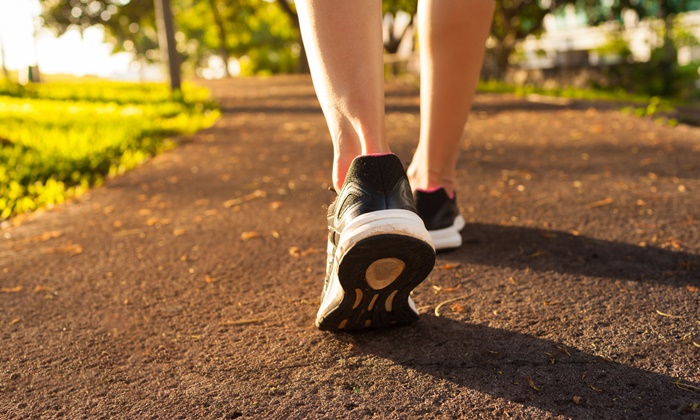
14	321
179	232
598	390
310	251
456	307
577	399
692	289
208	279
48	236
668	315
296	252
118	223
69	248
39	288
242	322
248	197
248	235
439	289
600	203
531	382
275	234
15	289
275	205
211	212
144	212
448	266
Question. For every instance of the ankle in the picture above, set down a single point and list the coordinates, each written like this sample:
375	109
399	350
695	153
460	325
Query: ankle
429	180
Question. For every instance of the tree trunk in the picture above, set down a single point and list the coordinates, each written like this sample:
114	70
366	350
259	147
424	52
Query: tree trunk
303	64
166	39
223	48
670	56
502	52
4	64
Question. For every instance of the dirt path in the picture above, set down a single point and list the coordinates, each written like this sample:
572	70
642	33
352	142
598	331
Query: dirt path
188	287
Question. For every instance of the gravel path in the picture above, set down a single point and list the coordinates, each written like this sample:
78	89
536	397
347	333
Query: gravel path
187	288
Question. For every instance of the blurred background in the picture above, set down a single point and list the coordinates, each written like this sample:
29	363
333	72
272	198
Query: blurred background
641	46
70	114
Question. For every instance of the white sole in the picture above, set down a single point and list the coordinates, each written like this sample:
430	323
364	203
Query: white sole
449	237
368	226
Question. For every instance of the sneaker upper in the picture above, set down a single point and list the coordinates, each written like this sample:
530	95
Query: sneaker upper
437	209
373	182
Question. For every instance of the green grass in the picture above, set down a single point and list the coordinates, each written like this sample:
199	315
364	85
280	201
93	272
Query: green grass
617	95
58	139
631	103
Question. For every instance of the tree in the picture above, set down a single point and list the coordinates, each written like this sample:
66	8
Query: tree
129	26
221	32
665	57
253	30
513	21
286	7
5	72
166	38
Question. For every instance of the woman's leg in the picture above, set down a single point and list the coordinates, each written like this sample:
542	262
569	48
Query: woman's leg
343	40
452	37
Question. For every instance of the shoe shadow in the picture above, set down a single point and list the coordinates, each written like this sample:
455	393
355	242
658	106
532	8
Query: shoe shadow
526	370
563	252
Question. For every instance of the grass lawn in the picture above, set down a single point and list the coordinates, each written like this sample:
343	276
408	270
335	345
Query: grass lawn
59	138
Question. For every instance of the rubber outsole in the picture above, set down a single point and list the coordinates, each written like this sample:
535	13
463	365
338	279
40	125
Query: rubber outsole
367	303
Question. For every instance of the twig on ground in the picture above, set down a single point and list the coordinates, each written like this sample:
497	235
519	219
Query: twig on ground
437	308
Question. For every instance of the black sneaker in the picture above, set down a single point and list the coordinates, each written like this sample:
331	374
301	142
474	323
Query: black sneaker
441	217
378	249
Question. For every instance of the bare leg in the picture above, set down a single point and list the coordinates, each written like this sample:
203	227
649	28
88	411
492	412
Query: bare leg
343	40
452	43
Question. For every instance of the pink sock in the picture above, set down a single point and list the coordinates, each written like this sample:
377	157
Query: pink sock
434	189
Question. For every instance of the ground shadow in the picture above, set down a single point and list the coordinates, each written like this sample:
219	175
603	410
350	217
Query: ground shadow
558	251
528	370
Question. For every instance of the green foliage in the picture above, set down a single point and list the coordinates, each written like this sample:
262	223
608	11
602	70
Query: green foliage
58	139
129	25
616	46
395	6
256	29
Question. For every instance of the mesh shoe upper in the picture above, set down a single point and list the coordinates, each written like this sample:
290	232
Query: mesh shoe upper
436	208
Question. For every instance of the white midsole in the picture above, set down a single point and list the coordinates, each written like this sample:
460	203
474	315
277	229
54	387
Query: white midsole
449	237
398	222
